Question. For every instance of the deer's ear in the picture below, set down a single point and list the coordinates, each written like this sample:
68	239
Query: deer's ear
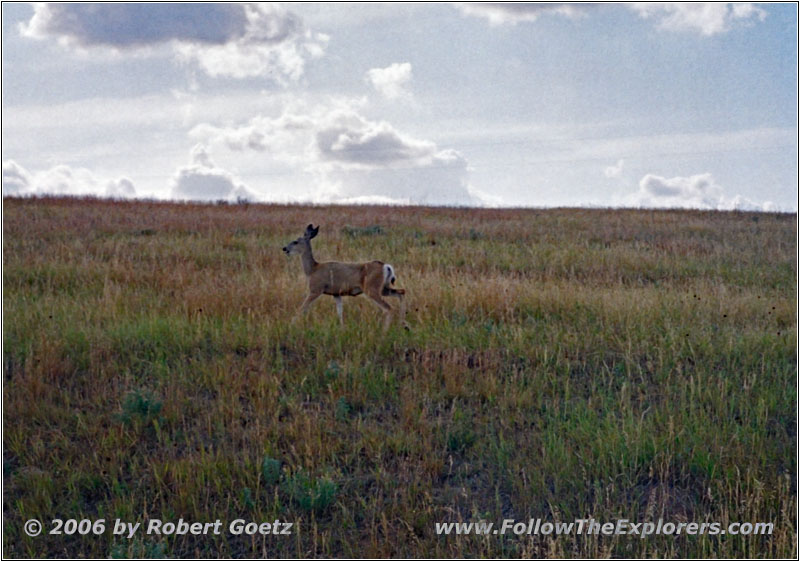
313	232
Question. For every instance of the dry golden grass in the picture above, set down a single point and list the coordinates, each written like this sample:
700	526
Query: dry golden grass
561	364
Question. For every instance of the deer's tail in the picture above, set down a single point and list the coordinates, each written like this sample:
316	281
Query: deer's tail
388	275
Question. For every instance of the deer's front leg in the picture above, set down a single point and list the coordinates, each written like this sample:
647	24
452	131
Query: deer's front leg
306	303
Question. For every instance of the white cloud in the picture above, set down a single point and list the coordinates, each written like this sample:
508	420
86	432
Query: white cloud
282	136
741	203
614	171
245	59
62	180
224	39
203	181
693	192
707	18
392	81
121	189
16	179
362	157
513	13
350	158
348	140
441	180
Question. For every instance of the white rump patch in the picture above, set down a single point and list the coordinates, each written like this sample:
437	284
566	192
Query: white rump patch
388	274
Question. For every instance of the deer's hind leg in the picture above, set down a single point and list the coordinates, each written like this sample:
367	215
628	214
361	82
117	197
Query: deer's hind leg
400	294
387	310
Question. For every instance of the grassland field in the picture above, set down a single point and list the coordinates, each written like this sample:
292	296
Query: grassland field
561	364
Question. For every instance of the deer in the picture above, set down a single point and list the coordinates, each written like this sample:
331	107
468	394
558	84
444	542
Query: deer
374	279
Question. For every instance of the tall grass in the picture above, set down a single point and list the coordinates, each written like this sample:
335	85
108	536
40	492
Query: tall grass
561	364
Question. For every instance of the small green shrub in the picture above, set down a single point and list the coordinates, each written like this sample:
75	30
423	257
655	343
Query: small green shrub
356	231
139	406
310	494
271	470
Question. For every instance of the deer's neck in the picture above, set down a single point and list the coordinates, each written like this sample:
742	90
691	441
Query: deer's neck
308	260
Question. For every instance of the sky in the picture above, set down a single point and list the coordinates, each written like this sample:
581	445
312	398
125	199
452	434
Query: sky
462	104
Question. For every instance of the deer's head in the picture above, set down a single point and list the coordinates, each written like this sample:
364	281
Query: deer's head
297	246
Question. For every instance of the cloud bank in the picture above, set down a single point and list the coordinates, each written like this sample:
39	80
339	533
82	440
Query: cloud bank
223	39
349	157
62	180
707	18
693	192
